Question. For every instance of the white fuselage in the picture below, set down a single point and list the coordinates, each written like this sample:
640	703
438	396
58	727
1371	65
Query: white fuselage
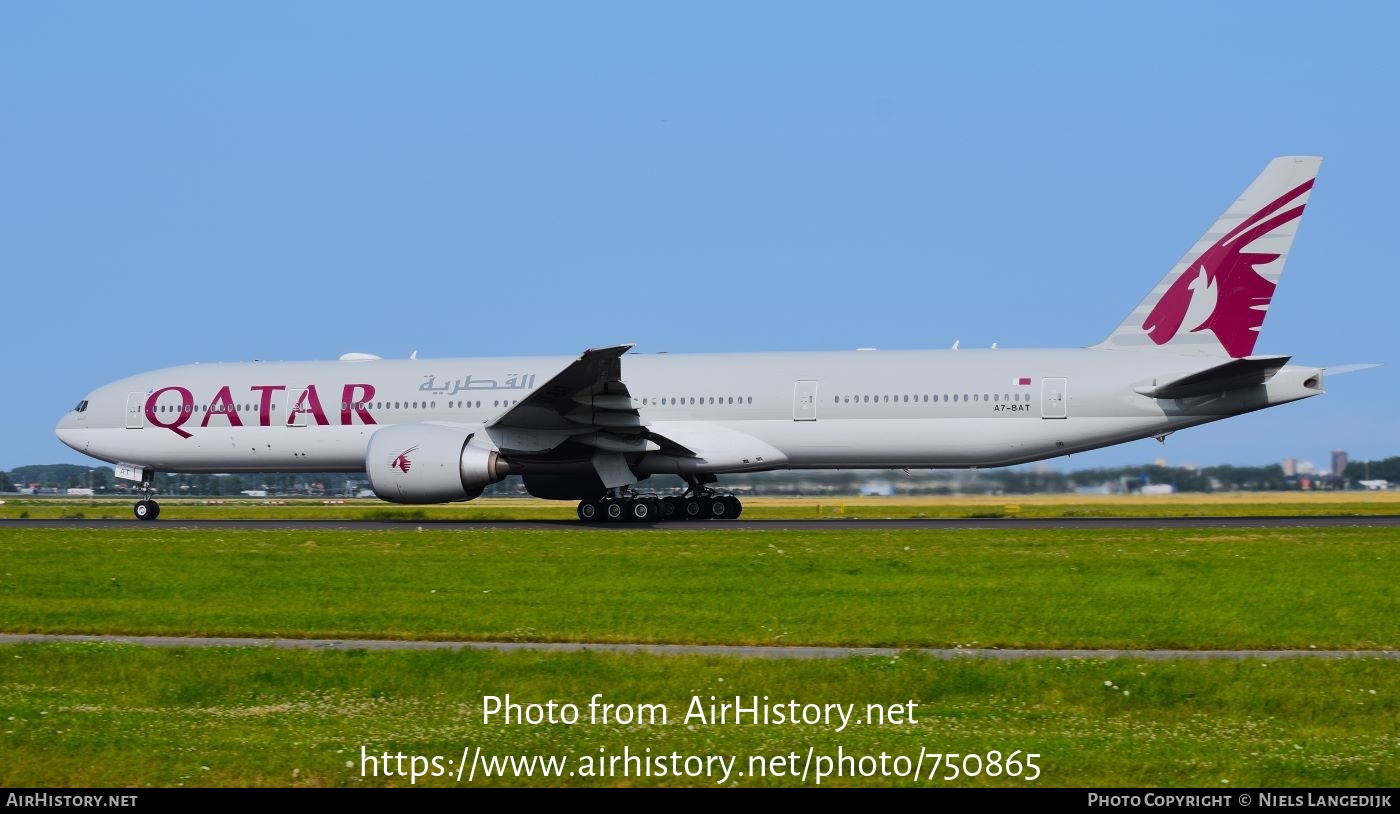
739	412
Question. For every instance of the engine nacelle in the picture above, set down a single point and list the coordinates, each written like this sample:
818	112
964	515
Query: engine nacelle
425	463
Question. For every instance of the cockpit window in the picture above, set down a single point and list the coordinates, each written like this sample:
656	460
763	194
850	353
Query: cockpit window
82	405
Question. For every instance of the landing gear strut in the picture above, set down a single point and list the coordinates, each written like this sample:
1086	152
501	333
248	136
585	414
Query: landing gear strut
699	502
145	508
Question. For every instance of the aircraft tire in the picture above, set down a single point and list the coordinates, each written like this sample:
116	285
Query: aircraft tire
735	507
588	511
614	511
146	510
694	509
643	510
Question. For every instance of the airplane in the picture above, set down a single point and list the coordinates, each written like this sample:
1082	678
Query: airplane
591	429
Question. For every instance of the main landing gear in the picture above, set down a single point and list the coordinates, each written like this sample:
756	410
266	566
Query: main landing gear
145	508
625	505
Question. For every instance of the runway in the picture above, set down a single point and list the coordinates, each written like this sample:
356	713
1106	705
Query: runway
870	523
701	649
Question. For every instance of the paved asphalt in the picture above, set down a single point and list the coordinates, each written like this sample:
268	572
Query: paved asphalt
1378	521
699	649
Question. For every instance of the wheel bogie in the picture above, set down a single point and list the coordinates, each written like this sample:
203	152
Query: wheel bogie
649	508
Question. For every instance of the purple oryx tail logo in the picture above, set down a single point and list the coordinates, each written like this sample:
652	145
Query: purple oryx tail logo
402	462
1221	291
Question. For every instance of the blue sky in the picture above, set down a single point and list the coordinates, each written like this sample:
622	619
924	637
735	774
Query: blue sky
199	182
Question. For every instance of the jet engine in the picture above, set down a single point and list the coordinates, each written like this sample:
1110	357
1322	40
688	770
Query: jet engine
426	463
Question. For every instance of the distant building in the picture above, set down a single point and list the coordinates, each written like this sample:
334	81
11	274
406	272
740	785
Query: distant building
1158	489
1290	467
1339	463
1306	468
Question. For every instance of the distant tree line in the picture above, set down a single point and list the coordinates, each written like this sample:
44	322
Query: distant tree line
58	478
1385	469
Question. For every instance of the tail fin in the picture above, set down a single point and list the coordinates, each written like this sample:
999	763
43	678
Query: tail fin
1214	299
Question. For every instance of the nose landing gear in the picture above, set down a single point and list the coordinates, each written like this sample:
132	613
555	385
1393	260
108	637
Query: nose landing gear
145	508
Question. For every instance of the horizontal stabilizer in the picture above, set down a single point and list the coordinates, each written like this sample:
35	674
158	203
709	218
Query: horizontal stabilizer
1236	373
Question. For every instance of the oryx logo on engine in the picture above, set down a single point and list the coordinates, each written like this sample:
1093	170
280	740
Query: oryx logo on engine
402	462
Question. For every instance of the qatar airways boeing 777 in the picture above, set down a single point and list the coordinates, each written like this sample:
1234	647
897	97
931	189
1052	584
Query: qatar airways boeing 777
591	428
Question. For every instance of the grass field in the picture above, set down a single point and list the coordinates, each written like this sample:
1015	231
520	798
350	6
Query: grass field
93	715
1231	504
103	715
1336	588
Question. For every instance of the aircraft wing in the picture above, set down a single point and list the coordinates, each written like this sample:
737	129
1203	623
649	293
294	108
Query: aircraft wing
587	402
587	393
1244	372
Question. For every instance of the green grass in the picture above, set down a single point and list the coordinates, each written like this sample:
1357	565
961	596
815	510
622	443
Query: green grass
1230	504
104	715
1114	588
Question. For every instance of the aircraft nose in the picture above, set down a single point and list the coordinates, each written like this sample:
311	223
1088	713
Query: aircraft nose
69	432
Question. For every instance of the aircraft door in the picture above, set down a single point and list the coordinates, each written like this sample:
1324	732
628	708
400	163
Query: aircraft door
804	401
1054	398
135	411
